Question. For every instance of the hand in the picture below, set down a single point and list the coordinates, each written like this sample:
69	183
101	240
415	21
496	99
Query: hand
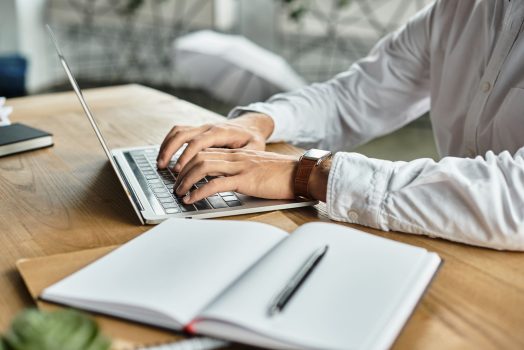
254	173
248	132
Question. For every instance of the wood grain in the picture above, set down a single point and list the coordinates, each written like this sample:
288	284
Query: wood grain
66	198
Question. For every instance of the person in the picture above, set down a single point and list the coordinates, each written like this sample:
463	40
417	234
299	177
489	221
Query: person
463	61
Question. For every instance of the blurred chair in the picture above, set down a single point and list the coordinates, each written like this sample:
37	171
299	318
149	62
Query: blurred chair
231	68
13	70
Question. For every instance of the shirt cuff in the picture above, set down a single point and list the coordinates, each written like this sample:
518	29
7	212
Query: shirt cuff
282	125
357	187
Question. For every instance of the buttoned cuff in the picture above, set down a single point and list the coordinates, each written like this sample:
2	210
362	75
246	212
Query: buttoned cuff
357	187
282	125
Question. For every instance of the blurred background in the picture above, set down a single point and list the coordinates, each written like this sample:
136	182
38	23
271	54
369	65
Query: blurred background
196	49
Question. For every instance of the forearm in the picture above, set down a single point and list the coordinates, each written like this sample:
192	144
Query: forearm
475	201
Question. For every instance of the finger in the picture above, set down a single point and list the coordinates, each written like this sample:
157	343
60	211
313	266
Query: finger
214	137
175	141
175	129
202	157
171	132
233	151
203	169
251	146
197	144
220	184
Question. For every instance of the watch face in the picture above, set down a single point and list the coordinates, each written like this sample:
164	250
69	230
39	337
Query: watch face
316	154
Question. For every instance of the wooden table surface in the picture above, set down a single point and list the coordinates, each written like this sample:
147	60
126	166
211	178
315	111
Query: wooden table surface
66	198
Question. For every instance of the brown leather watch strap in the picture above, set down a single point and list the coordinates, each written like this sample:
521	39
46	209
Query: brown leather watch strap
305	166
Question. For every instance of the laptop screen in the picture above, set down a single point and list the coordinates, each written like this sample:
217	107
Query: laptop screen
92	121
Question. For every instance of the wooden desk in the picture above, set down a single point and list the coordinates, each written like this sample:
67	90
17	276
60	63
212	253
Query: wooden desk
66	198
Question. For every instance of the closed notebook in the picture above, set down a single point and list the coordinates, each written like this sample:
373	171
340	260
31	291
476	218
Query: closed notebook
18	137
219	278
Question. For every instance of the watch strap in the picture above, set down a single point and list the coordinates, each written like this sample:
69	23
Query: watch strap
304	169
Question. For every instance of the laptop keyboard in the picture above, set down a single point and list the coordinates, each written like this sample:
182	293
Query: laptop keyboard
161	183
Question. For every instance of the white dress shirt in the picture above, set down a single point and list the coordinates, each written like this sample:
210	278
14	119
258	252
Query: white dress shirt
464	61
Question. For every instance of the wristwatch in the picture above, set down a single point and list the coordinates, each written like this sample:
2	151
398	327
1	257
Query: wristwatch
306	163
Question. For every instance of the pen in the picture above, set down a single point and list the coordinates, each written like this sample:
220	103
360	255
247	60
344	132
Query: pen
282	298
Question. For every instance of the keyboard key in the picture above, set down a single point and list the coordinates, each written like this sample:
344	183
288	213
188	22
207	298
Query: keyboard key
154	181
178	197
169	205
227	194
187	207
164	195
160	190
234	203
230	198
202	205
202	181
217	202
172	210
166	200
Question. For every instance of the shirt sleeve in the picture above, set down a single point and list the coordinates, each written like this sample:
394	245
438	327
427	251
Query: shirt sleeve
380	93
478	201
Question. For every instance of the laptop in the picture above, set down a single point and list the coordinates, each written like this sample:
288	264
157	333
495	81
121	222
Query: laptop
150	190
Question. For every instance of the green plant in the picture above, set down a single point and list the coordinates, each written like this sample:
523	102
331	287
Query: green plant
64	329
298	8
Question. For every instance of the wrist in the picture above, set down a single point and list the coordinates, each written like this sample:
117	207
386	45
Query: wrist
259	123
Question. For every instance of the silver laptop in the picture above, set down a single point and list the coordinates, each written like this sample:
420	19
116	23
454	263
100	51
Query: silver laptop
150	190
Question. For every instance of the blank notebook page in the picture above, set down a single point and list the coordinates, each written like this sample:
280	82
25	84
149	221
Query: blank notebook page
174	269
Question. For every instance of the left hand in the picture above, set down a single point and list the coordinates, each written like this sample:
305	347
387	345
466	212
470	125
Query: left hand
254	173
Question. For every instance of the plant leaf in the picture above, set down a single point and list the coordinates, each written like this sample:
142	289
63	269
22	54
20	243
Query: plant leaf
63	329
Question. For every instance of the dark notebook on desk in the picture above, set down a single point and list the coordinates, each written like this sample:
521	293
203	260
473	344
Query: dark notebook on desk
18	137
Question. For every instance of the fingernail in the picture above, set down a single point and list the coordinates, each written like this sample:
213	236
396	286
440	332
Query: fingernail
177	167
187	197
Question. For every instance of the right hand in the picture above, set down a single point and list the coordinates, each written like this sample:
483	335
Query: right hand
247	132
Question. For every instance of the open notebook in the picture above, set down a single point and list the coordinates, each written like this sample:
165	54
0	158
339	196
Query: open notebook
218	278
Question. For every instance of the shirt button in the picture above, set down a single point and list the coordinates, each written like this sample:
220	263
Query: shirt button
485	87
353	216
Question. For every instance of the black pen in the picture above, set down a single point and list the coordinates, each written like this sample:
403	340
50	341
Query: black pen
282	298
